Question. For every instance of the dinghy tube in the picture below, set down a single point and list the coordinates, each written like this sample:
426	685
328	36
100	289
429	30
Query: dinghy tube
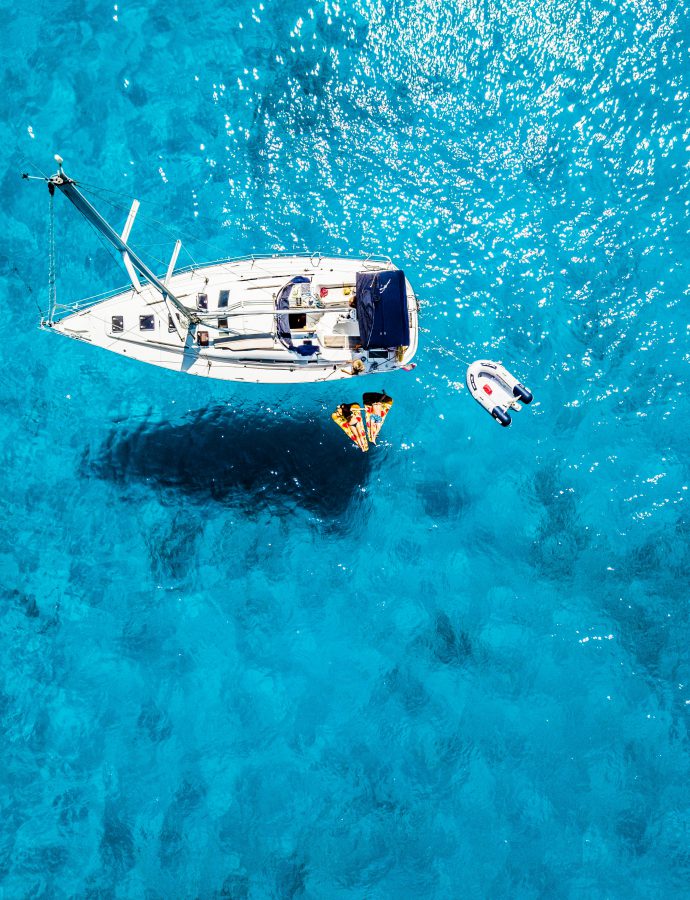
496	390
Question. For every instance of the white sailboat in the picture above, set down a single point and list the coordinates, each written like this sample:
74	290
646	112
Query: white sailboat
280	319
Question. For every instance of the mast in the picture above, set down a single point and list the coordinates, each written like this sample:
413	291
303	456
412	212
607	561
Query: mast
133	263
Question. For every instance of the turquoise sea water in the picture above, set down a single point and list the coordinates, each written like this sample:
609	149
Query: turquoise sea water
239	658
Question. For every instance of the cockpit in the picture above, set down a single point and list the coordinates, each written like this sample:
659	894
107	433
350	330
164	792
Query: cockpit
296	322
334	320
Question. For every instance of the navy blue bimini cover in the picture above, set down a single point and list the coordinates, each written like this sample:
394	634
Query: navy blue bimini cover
382	309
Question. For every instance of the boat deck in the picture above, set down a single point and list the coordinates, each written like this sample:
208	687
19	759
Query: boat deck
236	337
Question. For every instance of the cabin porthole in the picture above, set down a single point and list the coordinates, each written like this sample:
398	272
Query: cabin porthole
147	323
117	325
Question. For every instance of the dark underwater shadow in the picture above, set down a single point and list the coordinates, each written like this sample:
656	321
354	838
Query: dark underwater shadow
255	459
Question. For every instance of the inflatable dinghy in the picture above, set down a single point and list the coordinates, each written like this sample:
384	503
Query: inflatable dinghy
494	388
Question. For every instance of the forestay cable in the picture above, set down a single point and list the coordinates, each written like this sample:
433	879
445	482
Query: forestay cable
52	281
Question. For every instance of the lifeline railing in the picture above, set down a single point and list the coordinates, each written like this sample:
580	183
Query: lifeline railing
60	310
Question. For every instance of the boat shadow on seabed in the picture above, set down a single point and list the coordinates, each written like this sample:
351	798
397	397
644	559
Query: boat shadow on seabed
256	460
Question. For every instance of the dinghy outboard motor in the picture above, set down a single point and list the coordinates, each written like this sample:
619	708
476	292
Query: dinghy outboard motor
496	390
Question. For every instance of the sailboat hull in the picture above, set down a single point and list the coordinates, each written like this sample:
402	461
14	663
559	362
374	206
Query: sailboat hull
239	336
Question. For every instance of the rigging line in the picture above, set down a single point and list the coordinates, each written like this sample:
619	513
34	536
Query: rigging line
30	162
106	244
162	227
165	228
95	187
29	289
194	262
221	264
110	250
103	295
52	280
155	222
